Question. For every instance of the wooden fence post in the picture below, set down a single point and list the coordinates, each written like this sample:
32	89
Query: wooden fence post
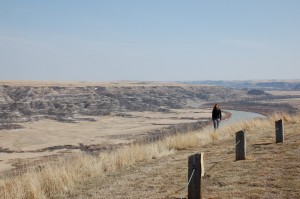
279	131
195	172
240	149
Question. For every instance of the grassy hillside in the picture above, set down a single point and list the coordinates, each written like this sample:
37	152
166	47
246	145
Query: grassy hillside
159	170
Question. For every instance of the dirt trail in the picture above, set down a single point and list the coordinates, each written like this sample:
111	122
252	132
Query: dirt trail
270	171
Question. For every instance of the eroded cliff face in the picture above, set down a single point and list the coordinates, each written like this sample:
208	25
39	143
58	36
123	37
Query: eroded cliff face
27	103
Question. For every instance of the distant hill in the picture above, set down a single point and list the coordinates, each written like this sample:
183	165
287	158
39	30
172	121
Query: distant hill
68	102
253	84
26	103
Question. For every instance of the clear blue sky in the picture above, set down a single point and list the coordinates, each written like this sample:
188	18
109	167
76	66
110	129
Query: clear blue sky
158	40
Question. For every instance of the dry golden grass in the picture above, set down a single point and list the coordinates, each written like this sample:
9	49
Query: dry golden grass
105	131
63	177
51	178
270	171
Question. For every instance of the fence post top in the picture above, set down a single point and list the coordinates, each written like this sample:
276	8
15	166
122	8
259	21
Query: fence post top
241	131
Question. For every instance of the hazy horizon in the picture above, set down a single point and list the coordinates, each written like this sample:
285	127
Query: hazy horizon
155	40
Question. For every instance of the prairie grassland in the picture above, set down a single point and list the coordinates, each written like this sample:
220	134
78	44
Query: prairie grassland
27	144
106	176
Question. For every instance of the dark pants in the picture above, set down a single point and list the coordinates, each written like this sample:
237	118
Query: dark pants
216	123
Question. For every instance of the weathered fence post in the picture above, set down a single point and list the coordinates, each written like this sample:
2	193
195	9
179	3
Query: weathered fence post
279	131
240	149
195	172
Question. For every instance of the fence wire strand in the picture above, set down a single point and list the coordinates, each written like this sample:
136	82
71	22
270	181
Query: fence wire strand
188	183
230	148
216	162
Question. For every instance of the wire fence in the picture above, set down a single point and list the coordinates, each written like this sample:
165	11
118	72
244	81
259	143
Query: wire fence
215	161
188	183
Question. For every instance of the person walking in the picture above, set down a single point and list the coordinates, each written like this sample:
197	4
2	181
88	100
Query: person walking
216	116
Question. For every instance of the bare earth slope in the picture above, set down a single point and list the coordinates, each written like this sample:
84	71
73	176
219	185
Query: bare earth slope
26	101
270	171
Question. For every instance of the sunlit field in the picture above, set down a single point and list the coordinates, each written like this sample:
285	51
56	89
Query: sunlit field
46	138
62	178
